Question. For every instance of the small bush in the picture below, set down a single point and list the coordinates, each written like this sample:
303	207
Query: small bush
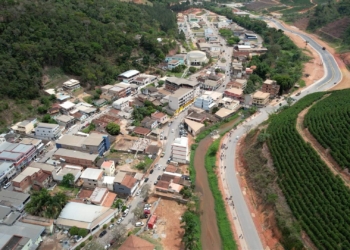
82	244
90	237
112	220
104	226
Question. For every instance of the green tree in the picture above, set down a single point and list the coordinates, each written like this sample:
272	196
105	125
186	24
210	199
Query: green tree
192	69
113	128
68	180
285	81
186	192
190	237
74	230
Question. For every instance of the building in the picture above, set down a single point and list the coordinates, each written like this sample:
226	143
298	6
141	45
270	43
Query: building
67	169
75	157
174	83
149	123
234	93
37	143
160	117
18	154
108	168
271	87
178	57
94	143
179	150
120	90
121	104
14	200
71	84
228	110
125	184
250	36
84	108
211	84
65	120
173	64
197	58
29	177
47	131
92	177
180	99
24	127
128	76
193	127
89	217
238	83
106	88
260	99
40	221
142	131
204	102
66	107
7	171
100	102
135	243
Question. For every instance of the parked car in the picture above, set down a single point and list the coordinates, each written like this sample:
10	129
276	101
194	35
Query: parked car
107	246
7	185
139	192
146	179
152	170
103	233
111	226
120	220
159	176
139	224
125	213
155	183
162	154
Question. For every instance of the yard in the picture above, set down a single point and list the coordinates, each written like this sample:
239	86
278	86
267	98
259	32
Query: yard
128	162
71	192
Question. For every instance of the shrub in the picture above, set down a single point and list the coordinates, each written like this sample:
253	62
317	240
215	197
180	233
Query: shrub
82	244
90	237
104	226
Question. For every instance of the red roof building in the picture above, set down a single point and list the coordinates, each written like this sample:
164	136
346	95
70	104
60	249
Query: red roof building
142	131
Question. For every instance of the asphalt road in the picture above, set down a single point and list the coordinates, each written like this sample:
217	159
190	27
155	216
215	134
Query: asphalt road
332	76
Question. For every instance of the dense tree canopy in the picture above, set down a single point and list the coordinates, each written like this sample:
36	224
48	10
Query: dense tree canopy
94	40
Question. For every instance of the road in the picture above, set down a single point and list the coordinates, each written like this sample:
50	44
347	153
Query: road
332	76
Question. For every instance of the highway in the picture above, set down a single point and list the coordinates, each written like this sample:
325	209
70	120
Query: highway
332	76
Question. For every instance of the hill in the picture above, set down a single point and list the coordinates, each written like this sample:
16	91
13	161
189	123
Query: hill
93	40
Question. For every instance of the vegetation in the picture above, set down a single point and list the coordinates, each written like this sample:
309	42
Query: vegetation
144	165
89	128
223	222
113	128
319	200
190	237
78	231
141	112
48	119
68	180
228	35
94	40
42	203
328	121
186	192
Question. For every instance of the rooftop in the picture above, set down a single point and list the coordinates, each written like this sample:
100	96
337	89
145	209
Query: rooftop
234	91
87	213
28	171
142	131
91	173
13	198
181	92
179	81
195	126
70	83
181	141
260	95
107	164
130	73
158	115
224	112
119	177
268	81
62	152
64	118
46	125
129	181
67	105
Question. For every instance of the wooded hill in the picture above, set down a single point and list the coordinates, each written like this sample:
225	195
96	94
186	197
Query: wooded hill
93	40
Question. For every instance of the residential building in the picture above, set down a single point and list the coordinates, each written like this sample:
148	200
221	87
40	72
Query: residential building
120	90
18	154
24	127
31	176
100	102
89	217
181	98
135	243
271	87
128	76
7	171
179	150
234	93
67	169
125	184
84	108
204	102
250	36
66	107
173	64
149	123
211	84
92	177
160	117
106	88
71	84
37	143
39	221
108	168
75	157
121	103
193	127
47	131
260	99
95	143
142	131
238	83
237	69
174	83
65	120
228	109
14	200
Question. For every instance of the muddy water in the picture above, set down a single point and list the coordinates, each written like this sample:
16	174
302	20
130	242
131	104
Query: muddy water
210	237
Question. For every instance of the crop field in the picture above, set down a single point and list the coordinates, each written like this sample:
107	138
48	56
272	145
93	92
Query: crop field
318	199
304	3
257	6
328	121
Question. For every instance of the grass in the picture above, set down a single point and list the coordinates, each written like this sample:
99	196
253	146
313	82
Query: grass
73	191
223	222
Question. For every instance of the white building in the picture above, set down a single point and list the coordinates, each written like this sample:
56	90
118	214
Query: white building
128	76
179	150
196	58
181	98
47	131
7	171
108	168
71	84
121	103
67	169
204	102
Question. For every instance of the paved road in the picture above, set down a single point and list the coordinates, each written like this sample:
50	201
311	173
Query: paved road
332	75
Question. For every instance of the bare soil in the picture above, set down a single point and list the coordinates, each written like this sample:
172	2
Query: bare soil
337	28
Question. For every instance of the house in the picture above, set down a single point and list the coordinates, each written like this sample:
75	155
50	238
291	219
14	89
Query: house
193	127
108	168
196	116
76	157
66	107
238	83
128	76
160	117
7	172
180	99
120	90
125	184
92	177
67	169
142	131
106	88
18	154
149	123
84	108
28	177
65	120
24	127
94	143
228	109
152	150
135	243
121	104
237	69
89	217
179	150
260	99
47	131
271	87
144	79
107	96
72	84
100	102
204	102
211	84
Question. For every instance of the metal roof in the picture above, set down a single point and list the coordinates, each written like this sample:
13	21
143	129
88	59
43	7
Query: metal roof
91	173
130	73
46	125
87	213
15	198
75	154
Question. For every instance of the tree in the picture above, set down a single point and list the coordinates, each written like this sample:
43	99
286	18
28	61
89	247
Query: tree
113	128
192	69
190	237
145	190
138	211
186	192
285	81
263	136
68	180
214	110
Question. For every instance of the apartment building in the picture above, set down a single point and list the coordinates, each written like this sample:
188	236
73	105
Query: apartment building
271	87
65	120
24	127
121	104
234	93
120	90
92	177
31	176
260	99
204	102
175	83
128	76
72	84
47	131
125	184
108	167
181	98
179	150
7	171
17	153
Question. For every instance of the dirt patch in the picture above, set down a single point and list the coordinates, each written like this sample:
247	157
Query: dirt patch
322	152
210	237
337	28
302	23
169	223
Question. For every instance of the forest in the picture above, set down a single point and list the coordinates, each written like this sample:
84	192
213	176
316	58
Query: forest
92	40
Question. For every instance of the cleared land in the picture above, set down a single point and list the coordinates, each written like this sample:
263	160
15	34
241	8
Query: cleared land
337	28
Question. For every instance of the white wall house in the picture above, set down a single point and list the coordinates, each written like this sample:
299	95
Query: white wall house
179	150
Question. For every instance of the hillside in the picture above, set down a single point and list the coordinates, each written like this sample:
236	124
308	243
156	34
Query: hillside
92	40
318	199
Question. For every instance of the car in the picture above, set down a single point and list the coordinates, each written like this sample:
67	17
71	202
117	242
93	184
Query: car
103	233
162	154
155	183
161	137
125	213
139	224
172	131
159	176
7	185
111	226
145	216
79	238
139	192
151	172
107	246
164	137
146	179
298	93
120	220
159	166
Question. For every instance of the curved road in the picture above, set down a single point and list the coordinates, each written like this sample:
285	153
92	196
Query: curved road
332	76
